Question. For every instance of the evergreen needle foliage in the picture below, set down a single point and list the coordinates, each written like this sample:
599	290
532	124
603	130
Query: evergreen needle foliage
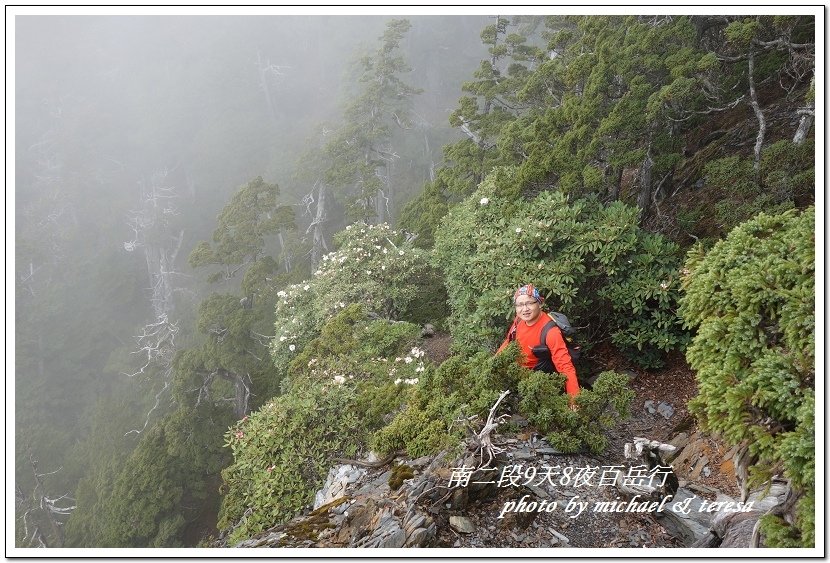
752	300
598	409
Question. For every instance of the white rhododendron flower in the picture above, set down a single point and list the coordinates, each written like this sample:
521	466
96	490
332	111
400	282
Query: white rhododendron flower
408	359
484	201
518	230
339	379
292	347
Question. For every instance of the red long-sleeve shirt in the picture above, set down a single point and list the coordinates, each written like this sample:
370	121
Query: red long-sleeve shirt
529	336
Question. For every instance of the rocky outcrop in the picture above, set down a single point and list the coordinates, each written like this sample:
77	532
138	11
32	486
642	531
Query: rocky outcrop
451	501
700	516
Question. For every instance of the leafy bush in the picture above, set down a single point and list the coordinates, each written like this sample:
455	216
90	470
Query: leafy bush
373	266
752	299
599	409
461	389
337	392
592	261
454	391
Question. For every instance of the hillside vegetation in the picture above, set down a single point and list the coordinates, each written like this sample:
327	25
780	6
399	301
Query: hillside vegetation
653	176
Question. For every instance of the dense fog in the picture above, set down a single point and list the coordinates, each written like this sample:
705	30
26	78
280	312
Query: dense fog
118	113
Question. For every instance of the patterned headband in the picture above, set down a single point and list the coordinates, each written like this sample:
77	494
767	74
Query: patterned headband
530	291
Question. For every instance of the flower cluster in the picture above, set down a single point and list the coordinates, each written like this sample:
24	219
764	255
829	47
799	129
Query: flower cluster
413	356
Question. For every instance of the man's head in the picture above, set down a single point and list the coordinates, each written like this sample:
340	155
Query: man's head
528	303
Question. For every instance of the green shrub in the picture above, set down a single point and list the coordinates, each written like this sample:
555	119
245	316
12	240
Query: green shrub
786	171
590	260
336	393
598	409
282	453
453	392
752	300
373	266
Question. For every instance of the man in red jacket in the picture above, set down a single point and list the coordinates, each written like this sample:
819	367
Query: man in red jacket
527	330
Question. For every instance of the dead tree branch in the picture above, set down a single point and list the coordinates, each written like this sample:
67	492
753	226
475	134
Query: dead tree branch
485	442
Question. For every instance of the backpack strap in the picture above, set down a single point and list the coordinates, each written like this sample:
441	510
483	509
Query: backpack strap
543	337
511	333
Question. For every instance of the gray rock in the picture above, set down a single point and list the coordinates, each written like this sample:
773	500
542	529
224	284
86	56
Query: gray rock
419	538
396	539
416	521
462	524
338	480
523	454
420	462
649	406
547	450
665	410
561	539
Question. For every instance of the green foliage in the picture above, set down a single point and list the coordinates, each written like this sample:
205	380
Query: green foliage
741	197
336	394
788	171
283	451
373	266
423	214
752	299
590	260
457	389
243	224
598	409
742	32
162	473
359	148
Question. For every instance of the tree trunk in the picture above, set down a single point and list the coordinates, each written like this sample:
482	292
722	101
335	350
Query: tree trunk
319	242
286	257
242	391
243	394
804	126
644	197
263	84
756	107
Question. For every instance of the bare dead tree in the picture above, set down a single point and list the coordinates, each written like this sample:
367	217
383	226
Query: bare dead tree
44	509
157	344
483	441
807	114
152	234
242	390
318	245
267	73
